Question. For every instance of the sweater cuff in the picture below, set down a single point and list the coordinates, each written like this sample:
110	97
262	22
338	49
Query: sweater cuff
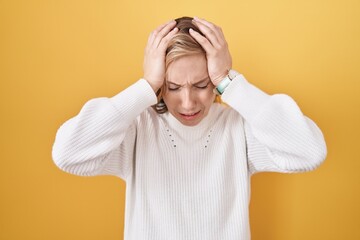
137	97
244	97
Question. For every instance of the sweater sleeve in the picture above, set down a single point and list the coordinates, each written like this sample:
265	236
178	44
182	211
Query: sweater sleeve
100	139
279	138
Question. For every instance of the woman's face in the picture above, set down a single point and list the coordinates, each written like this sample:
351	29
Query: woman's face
188	91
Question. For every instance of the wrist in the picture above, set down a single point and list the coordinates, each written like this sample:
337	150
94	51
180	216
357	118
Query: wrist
223	83
155	87
216	80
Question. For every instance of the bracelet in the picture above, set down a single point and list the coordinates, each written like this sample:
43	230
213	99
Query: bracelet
220	89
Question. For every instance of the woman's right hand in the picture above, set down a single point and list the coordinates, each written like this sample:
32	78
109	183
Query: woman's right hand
154	59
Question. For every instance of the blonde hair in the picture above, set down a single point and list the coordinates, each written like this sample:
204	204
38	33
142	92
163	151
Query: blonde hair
182	44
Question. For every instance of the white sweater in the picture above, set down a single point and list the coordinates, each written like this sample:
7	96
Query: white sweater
188	183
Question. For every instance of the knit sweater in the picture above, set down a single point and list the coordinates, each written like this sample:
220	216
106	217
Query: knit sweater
182	182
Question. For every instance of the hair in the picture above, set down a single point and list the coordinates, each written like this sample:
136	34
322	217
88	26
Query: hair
182	44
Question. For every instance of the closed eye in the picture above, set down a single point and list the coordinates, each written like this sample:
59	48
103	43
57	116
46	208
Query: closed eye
173	89
202	86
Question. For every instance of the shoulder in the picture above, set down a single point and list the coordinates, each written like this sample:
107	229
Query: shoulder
149	118
229	125
225	114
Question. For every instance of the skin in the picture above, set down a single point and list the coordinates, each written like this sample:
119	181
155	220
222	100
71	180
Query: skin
188	89
186	72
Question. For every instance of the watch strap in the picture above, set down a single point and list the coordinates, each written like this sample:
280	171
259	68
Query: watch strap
220	88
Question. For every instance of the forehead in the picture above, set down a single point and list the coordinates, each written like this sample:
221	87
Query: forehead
187	69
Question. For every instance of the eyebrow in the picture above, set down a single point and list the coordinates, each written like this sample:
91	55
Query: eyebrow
198	82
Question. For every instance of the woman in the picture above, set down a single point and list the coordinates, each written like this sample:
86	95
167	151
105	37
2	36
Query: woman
187	160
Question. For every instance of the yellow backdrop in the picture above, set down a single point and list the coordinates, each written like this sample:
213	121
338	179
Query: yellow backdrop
57	54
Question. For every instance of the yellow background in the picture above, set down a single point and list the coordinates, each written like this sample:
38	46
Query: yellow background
56	55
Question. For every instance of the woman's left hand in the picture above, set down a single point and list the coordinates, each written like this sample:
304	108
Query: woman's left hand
217	51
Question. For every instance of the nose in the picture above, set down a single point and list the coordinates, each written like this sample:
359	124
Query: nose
188	100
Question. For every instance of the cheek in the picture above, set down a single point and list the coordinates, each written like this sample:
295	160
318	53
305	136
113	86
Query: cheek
208	97
169	100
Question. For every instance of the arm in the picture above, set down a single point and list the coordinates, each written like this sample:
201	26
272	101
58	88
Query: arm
279	137
100	139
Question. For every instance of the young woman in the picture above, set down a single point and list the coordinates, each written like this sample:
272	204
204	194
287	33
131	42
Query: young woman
187	159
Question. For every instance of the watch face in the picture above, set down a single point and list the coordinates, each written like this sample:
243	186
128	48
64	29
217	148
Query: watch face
232	74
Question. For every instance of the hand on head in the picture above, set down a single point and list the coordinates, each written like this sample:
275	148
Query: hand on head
217	52
154	60
214	43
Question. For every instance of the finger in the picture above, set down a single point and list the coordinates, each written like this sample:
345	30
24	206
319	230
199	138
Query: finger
165	41
216	29
203	41
203	21
158	36
209	33
157	30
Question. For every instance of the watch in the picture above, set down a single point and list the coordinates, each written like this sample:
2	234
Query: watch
225	82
